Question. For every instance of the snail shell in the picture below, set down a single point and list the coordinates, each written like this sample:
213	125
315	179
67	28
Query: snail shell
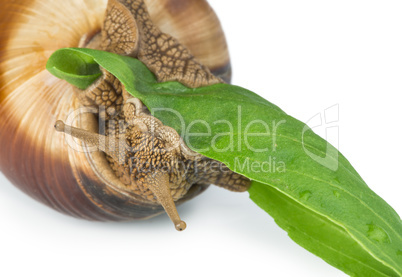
32	155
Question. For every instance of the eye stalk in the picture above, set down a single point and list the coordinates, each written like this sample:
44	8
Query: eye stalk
103	143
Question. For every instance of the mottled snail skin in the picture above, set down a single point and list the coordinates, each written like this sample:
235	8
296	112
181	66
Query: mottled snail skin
150	159
33	156
208	45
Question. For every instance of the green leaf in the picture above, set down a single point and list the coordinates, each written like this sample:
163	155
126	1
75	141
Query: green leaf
309	188
76	68
318	233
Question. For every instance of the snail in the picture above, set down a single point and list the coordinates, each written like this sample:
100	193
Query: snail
177	40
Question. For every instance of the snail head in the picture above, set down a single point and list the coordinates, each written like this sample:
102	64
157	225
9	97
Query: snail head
148	157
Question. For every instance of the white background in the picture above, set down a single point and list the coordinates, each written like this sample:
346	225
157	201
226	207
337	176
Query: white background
304	56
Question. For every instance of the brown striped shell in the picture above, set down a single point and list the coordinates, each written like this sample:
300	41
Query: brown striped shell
32	155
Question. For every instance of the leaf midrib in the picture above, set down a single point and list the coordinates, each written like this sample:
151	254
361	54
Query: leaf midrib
338	224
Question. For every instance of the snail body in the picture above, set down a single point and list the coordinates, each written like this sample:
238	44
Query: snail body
34	156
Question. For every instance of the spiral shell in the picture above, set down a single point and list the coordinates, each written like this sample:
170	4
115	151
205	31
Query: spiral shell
33	156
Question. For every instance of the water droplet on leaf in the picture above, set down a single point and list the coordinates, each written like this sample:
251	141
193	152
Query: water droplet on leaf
305	195
377	233
336	193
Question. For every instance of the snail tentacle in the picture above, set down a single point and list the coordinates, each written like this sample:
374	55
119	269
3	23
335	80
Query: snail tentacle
158	183
111	146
